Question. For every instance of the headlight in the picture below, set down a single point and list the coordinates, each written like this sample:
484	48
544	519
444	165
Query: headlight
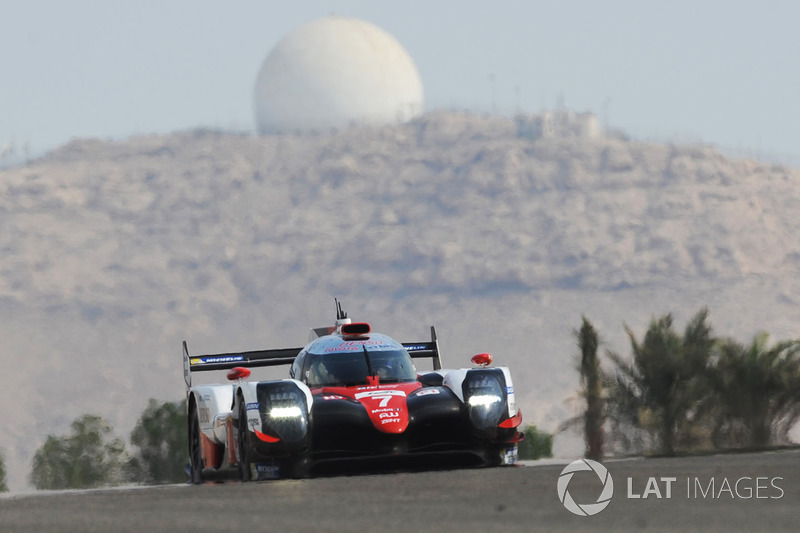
285	412
484	400
483	392
283	395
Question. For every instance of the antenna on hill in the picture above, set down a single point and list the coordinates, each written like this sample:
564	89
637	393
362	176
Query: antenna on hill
606	119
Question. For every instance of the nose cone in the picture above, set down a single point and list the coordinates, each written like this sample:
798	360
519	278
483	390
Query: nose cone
387	409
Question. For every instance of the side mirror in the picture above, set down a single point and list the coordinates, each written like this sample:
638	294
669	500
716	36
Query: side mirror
238	372
482	359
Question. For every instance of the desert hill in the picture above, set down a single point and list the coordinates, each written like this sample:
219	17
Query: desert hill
114	252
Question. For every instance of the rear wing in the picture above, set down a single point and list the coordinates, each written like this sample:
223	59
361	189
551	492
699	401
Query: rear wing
426	349
224	361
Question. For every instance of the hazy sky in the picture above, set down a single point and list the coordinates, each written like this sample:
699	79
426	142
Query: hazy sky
723	72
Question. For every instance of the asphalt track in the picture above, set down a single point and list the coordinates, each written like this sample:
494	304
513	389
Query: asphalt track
521	498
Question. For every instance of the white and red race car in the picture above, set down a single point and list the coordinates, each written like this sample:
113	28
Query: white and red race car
352	394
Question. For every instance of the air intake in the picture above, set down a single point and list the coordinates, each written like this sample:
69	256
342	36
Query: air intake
357	328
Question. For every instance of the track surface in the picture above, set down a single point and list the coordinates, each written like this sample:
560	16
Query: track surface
522	498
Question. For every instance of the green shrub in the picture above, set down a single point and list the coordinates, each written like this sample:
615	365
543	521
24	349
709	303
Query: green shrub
537	444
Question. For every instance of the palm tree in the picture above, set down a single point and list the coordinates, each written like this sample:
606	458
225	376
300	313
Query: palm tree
661	390
592	418
591	383
758	391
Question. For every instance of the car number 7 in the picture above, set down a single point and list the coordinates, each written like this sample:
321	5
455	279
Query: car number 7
384	399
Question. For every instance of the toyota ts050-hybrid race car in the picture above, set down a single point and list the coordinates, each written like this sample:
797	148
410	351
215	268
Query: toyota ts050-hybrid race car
351	394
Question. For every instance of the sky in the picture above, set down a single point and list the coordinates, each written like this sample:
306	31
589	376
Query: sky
720	72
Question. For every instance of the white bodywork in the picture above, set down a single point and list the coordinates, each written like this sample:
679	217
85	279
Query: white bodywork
214	406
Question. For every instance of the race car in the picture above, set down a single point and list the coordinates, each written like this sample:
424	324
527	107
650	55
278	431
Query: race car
351	395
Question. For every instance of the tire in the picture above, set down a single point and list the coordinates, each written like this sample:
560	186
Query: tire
297	467
497	455
492	455
493	458
195	448
245	454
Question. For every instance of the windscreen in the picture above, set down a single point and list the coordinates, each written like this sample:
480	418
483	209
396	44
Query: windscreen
351	368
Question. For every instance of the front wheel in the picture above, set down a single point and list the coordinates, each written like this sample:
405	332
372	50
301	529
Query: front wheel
245	454
298	467
502	455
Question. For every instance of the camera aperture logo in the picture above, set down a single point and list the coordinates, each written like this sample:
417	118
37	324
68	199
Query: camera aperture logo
586	509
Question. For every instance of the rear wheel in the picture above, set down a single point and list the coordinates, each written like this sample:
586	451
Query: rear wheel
245	474
195	448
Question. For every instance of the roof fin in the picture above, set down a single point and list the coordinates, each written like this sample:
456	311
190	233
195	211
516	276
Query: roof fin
341	316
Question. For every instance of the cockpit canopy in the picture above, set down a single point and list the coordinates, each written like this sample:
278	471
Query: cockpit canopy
351	368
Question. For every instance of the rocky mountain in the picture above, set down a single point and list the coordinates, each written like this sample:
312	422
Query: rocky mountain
114	252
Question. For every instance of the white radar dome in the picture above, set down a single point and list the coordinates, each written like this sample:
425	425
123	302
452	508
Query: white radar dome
334	72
